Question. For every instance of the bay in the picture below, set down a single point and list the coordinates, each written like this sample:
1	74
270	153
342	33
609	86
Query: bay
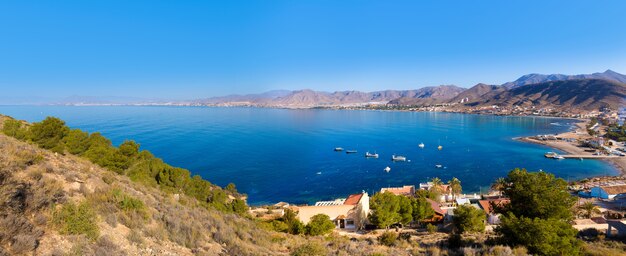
287	155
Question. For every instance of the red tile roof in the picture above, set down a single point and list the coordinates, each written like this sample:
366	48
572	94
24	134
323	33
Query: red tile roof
400	191
353	199
436	207
486	204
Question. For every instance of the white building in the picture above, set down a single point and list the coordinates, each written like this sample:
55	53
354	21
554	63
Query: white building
608	192
350	213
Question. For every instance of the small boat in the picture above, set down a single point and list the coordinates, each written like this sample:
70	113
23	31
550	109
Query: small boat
549	154
387	169
421	145
367	154
338	149
318	173
558	157
350	151
439	166
398	158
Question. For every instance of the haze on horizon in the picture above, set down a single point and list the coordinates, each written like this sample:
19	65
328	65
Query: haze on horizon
183	50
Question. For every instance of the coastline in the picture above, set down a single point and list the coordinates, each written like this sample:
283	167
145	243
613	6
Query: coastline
578	134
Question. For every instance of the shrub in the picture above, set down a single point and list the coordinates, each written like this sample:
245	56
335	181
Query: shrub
388	238
49	133
431	228
469	219
15	129
309	249
79	219
320	224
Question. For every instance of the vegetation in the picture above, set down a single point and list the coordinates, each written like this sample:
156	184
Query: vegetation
320	224
388	238
389	209
588	209
469	219
78	219
127	159
455	186
540	223
616	132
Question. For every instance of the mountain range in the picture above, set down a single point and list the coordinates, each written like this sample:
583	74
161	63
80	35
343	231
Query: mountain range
584	92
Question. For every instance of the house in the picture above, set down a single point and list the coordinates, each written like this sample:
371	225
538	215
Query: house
349	213
439	213
608	192
596	142
400	191
492	217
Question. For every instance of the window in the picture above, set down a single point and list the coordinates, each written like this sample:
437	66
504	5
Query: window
350	222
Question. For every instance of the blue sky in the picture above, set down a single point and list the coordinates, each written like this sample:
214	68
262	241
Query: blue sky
195	49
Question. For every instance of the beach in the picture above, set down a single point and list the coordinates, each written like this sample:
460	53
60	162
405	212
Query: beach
579	133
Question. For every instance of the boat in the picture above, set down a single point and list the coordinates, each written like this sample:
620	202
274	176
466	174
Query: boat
440	147
558	157
439	166
367	154
550	154
338	149
398	158
350	151
421	145
318	173
387	169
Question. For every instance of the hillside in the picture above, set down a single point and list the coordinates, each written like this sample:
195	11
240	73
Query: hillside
477	92
582	94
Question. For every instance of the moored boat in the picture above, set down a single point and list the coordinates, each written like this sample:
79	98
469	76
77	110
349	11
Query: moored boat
350	151
439	166
369	155
387	169
421	145
338	149
398	158
550	154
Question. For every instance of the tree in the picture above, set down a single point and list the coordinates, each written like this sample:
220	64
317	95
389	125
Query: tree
537	195
538	214
294	225
436	190
320	224
421	209
15	129
129	148
49	133
388	209
455	186
589	209
76	142
231	188
540	236
469	219
239	206
499	185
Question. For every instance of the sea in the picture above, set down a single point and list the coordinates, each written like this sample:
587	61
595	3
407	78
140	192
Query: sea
275	155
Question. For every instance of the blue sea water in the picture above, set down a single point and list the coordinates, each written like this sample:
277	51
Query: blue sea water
287	155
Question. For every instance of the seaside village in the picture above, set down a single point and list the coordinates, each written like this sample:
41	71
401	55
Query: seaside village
351	215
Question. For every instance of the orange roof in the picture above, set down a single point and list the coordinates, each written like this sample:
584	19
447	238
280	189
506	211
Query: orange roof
353	199
436	207
400	191
486	204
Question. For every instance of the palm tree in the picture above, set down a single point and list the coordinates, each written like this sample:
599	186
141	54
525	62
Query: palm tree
499	185
455	186
588	208
436	188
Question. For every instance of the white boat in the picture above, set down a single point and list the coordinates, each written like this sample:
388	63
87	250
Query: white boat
440	147
398	158
558	157
387	169
421	145
439	166
367	154
338	149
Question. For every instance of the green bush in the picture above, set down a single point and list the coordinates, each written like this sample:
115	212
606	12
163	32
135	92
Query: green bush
79	219
431	228
49	133
310	249
469	219
388	238
15	129
320	224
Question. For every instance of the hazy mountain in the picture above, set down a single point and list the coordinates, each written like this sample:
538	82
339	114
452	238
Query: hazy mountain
582	94
477	92
250	98
429	95
540	78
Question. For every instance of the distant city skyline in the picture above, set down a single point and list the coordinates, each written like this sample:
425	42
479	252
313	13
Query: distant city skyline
190	50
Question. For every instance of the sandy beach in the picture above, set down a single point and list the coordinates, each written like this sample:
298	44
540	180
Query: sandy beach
580	133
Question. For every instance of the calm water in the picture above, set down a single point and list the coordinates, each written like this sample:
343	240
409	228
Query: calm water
275	155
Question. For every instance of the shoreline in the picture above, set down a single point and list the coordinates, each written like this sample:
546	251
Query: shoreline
618	163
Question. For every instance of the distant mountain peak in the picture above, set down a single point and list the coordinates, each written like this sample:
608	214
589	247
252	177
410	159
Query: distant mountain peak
535	78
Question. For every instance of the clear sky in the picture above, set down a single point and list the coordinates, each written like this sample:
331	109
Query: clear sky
195	49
